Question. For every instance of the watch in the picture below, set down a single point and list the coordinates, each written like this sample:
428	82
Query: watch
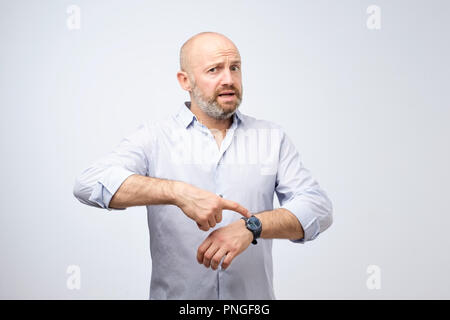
254	225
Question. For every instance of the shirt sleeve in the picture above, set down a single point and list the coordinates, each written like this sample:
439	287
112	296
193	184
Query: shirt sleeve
97	184
300	193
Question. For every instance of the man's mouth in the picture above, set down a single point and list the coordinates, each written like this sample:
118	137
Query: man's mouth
226	93
227	96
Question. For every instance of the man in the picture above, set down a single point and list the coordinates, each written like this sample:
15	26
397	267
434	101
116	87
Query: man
208	175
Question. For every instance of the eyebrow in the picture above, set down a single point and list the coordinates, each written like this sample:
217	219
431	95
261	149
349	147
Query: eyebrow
221	62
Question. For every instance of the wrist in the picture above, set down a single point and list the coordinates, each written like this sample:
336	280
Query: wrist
174	192
248	233
254	226
264	223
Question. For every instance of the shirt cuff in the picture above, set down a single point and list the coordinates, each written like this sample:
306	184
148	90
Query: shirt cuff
107	186
307	218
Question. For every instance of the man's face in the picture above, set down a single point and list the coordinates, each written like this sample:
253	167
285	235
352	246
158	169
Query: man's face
216	77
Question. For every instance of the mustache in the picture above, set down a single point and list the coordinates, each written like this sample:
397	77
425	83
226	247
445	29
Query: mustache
232	88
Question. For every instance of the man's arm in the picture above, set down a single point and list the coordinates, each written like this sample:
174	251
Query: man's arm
300	194
96	185
120	180
234	238
139	190
280	224
202	206
305	212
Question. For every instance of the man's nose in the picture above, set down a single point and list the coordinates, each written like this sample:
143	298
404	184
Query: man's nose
227	79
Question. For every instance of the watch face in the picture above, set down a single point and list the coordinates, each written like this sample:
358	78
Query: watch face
254	223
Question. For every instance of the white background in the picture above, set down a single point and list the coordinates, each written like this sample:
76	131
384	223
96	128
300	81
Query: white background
367	109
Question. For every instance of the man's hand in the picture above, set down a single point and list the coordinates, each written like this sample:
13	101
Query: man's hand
228	241
204	207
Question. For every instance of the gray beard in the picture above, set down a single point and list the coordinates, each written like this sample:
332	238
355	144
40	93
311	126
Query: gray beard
212	108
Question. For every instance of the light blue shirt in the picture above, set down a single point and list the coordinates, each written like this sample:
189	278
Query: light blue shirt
255	161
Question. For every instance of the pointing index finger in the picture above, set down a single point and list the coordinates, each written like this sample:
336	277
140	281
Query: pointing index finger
231	205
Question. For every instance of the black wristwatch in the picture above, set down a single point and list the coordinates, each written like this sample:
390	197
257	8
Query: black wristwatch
254	225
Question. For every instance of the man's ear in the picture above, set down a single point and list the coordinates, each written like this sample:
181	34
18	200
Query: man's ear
184	81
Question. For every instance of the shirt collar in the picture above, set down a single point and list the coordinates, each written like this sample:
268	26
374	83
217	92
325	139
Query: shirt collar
186	116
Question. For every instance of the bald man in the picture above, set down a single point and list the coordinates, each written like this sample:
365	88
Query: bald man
207	176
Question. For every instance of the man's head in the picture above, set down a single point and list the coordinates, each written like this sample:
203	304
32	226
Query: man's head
211	71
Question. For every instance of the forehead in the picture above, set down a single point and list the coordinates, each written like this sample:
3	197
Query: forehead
208	50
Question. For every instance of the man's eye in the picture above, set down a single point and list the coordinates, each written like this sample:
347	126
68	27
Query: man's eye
235	68
212	70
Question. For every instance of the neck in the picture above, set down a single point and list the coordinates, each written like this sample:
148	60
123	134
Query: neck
209	122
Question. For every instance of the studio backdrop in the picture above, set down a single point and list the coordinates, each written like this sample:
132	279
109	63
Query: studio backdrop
361	88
